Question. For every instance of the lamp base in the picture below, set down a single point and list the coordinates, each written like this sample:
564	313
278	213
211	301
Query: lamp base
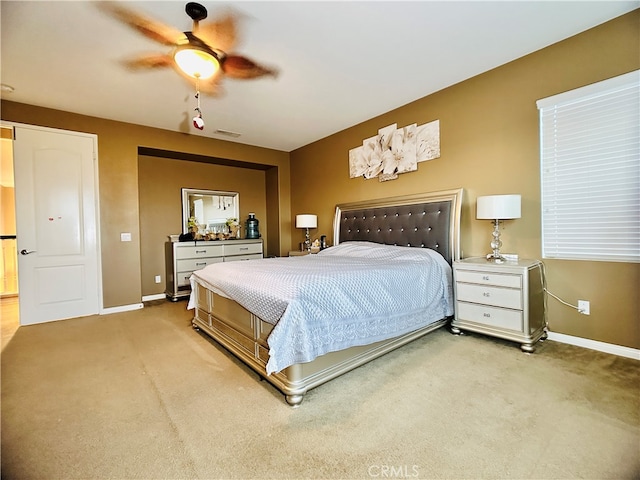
495	256
307	241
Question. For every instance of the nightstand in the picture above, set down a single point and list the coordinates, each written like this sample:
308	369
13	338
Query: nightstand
505	300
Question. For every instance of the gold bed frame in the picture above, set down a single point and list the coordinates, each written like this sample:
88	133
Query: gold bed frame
392	221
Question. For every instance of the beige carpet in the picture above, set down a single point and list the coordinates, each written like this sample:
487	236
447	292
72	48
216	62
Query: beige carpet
142	395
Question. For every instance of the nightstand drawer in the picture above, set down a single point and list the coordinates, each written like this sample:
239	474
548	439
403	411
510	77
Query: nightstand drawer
486	295
489	278
492	316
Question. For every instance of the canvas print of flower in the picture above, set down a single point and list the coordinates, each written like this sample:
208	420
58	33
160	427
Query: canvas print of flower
385	136
395	150
387	157
428	141
357	162
372	153
403	147
365	160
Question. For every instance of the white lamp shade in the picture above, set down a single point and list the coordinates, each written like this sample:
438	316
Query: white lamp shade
498	207
196	63
306	221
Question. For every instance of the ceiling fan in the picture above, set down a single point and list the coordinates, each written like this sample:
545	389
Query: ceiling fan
202	55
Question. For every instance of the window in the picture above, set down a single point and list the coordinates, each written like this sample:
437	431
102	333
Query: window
590	171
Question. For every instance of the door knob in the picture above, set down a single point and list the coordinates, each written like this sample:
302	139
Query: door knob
26	252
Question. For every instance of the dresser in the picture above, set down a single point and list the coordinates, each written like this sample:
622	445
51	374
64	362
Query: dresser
505	300
183	258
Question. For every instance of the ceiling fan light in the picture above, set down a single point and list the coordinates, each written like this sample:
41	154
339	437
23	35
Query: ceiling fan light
196	62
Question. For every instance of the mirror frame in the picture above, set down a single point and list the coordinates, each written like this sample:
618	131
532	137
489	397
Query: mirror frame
187	193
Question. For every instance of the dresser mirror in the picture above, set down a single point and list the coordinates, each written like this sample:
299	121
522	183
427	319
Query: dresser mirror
209	210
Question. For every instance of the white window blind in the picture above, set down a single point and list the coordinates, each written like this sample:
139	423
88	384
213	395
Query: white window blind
590	171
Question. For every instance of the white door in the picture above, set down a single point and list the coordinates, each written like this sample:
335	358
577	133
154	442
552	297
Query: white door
56	224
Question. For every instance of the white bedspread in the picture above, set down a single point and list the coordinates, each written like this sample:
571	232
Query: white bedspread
355	293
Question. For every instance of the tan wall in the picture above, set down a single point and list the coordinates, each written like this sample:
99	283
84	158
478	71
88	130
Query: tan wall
118	184
490	145
160	182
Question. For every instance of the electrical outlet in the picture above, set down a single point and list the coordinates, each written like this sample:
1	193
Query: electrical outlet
158	279
583	307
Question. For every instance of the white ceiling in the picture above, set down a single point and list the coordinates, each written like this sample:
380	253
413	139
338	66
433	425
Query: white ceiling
341	62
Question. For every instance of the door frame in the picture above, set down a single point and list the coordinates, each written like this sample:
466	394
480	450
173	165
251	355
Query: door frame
96	194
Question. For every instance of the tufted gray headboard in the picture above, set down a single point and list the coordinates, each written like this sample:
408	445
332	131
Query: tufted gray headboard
428	220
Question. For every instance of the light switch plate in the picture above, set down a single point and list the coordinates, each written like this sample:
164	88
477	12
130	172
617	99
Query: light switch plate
125	237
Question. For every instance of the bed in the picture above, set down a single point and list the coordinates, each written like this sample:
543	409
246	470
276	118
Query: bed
301	321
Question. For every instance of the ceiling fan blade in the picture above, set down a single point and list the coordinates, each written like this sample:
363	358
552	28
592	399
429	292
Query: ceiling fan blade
150	28
150	61
220	34
237	66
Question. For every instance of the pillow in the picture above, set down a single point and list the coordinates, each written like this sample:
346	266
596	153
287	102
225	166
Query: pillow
379	251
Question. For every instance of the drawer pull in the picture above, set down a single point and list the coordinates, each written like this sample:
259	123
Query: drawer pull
486	278
201	263
486	294
201	251
244	248
486	315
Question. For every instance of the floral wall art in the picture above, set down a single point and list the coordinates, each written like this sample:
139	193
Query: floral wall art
395	150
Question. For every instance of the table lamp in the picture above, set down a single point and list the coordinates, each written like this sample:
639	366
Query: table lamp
497	208
307	221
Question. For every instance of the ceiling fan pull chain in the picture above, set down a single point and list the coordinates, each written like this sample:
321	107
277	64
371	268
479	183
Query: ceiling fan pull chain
198	91
198	122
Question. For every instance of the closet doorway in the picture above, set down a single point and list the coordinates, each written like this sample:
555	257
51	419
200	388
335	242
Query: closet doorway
9	311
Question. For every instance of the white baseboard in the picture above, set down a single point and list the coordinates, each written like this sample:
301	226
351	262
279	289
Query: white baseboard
156	296
595	345
121	308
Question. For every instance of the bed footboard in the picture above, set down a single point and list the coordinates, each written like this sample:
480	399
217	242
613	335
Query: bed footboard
245	335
